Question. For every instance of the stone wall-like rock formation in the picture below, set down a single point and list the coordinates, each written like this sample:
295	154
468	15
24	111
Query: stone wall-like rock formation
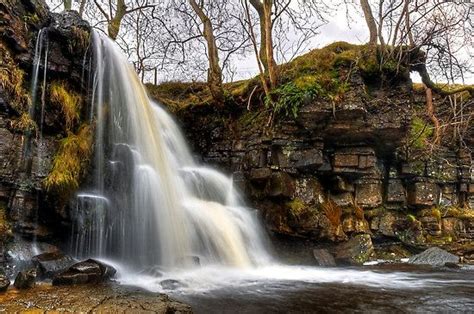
343	169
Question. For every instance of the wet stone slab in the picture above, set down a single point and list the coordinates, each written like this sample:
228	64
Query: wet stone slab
103	298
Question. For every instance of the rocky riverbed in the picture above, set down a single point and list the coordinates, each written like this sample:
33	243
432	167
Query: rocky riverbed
102	298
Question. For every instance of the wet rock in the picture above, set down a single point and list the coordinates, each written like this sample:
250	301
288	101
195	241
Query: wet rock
172	284
280	184
260	175
324	258
435	257
369	193
4	283
97	298
52	263
25	279
356	251
423	194
396	192
89	271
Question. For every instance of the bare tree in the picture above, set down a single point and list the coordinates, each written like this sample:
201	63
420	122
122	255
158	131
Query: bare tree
214	74
370	20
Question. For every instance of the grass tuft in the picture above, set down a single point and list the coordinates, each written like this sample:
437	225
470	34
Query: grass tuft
333	212
69	163
67	101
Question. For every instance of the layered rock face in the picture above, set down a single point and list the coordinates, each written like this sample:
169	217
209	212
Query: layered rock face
340	169
31	129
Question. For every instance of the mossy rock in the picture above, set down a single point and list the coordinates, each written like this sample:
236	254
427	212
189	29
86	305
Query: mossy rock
70	163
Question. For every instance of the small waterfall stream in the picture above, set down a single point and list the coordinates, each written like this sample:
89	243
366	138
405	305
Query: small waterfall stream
151	204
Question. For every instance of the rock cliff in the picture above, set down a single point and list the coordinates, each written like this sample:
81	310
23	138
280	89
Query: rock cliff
364	163
34	118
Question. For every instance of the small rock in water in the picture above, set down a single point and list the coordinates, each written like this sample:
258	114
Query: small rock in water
452	265
434	256
172	284
25	279
324	258
52	263
89	271
4	283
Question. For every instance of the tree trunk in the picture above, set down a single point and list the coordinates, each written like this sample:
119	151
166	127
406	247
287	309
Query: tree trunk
272	67
113	26
67	4
369	19
214	73
257	5
82	7
431	113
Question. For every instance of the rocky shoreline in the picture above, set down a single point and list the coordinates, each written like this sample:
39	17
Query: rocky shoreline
98	298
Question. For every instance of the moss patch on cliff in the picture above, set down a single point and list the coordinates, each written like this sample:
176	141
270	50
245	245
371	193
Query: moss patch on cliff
70	161
68	101
12	80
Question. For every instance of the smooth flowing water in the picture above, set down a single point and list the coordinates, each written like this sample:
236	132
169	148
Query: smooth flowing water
150	203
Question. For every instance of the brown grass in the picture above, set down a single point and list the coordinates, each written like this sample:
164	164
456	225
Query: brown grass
333	212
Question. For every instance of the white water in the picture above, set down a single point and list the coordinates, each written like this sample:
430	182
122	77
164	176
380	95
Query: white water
151	204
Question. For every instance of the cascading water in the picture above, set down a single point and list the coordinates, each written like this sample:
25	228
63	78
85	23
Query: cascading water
151	204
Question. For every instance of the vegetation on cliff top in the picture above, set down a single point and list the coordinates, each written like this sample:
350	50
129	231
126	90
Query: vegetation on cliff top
322	73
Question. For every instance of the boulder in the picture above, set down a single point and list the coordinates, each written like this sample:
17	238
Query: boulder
25	279
52	263
88	271
356	251
4	283
324	258
434	256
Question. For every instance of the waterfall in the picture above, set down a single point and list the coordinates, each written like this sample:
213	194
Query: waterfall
150	203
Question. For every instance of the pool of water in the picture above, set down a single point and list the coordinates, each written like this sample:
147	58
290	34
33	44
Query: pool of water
278	288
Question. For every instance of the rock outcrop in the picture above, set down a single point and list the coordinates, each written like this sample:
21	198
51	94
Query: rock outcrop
362	164
32	127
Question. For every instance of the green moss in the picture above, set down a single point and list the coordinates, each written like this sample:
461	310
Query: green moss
411	218
70	161
296	206
420	132
30	18
69	102
179	95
